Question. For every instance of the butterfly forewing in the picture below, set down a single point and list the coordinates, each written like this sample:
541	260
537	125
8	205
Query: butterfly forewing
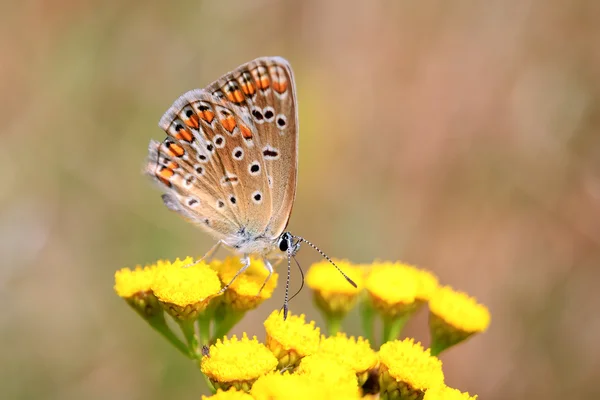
265	89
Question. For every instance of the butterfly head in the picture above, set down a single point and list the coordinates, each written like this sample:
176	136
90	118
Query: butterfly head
286	242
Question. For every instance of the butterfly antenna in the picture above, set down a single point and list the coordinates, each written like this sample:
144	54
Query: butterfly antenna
302	275
325	256
287	284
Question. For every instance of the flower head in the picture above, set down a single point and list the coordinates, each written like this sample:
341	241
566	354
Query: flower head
354	353
332	293
288	387
135	286
245	292
453	317
393	289
444	392
335	375
231	394
237	362
183	288
291	339
407	370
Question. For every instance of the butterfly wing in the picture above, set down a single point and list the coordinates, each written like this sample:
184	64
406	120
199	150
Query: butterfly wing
207	165
265	90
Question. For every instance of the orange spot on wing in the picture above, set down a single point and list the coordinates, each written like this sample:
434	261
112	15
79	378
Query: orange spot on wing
229	124
175	150
165	175
172	165
280	87
193	121
246	132
264	82
235	96
207	116
248	88
184	134
261	78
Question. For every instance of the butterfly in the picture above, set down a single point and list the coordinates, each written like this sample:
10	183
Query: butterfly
229	162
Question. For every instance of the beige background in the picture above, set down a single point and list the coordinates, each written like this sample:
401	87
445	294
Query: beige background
459	136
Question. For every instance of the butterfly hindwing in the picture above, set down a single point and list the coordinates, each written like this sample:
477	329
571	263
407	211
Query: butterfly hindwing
209	156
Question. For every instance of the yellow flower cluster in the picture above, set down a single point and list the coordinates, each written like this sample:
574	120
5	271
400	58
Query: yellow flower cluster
296	360
395	291
191	292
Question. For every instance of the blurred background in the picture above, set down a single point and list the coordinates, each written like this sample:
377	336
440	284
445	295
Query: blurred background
460	137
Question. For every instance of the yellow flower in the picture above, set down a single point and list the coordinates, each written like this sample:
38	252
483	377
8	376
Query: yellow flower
243	294
183	289
453	317
406	370
289	387
339	378
393	289
354	353
290	339
135	287
444	392
427	284
130	282
231	394
332	292
237	362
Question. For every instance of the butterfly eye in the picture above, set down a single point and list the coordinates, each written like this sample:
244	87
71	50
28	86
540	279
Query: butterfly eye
284	241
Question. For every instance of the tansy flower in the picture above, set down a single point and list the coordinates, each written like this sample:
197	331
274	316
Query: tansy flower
392	289
231	394
354	353
406	370
427	284
237	362
288	387
332	293
453	317
184	289
135	286
338	377
243	294
290	339
444	392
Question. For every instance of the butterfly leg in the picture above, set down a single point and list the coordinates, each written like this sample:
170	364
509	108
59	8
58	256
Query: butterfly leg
245	264
211	252
269	268
207	257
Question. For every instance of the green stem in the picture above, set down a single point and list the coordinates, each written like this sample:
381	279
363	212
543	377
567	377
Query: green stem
334	324
159	325
436	348
367	314
204	330
187	327
392	327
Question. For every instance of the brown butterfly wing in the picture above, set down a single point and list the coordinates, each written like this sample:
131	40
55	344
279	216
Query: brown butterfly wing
265	89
